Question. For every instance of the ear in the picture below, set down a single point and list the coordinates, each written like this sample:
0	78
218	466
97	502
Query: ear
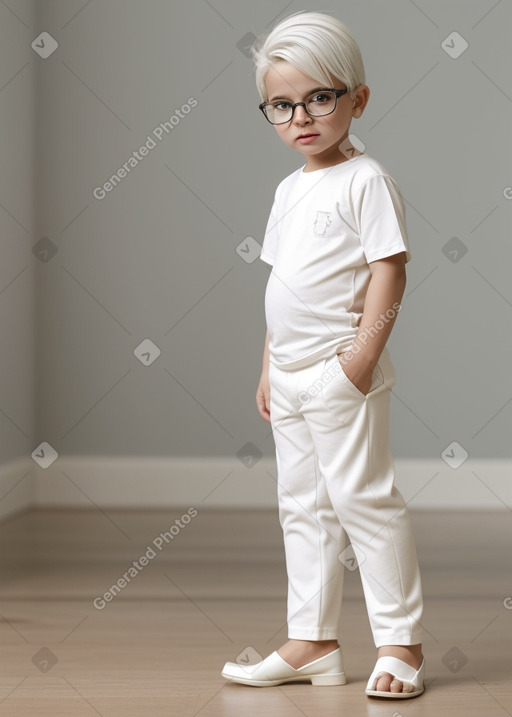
361	99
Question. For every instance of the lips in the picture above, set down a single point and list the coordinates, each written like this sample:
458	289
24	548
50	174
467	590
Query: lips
309	134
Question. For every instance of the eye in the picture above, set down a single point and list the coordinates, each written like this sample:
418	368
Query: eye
282	105
323	98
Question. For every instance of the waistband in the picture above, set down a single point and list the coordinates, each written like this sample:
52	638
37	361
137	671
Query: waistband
315	357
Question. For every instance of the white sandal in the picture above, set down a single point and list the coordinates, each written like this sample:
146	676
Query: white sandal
273	670
401	671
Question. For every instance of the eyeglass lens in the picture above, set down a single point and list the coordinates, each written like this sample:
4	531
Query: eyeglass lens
321	103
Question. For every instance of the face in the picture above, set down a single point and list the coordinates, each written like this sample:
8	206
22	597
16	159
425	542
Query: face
285	82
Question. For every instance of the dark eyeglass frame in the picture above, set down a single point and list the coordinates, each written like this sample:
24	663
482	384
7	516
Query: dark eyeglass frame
337	93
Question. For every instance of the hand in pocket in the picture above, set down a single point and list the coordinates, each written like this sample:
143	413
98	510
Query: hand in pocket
359	374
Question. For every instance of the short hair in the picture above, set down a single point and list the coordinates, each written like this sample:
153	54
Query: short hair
317	44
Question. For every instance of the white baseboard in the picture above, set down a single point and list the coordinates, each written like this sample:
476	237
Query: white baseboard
16	486
117	482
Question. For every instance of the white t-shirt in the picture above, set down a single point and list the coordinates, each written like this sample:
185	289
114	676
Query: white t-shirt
324	228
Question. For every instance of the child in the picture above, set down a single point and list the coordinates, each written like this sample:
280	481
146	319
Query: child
337	243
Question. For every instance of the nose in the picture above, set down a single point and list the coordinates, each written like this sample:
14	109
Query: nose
300	115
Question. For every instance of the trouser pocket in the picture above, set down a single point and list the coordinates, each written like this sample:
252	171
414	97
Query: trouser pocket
342	397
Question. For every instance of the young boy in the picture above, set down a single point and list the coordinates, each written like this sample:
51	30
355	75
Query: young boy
337	242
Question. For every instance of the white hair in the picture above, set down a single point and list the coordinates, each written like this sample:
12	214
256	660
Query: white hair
316	44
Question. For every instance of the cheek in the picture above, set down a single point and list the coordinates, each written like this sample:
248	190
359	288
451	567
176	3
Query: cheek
334	122
339	118
284	134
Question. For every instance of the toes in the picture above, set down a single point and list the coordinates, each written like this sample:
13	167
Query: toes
396	686
385	682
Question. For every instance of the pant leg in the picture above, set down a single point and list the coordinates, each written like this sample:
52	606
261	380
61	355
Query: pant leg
313	536
351	436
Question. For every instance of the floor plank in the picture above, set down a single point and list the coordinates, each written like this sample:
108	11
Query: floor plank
216	588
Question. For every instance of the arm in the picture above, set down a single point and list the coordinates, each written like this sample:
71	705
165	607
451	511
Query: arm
263	392
265	356
385	291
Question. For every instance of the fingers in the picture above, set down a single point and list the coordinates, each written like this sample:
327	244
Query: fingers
263	403
264	413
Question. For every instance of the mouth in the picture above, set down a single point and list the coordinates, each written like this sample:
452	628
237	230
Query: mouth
306	138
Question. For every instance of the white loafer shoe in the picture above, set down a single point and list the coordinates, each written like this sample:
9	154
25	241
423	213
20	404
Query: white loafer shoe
273	670
401	671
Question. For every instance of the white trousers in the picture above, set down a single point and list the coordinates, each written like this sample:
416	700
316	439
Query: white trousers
336	480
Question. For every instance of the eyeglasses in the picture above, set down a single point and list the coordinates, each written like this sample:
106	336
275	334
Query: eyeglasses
320	104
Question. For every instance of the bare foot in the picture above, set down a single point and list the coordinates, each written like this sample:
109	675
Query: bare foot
411	654
298	653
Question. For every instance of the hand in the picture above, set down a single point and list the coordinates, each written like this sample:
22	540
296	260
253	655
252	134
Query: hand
263	397
359	373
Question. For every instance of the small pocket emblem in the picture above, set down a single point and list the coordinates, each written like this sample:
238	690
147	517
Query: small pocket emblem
322	221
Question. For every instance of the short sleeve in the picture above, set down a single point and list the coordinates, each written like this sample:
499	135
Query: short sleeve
380	217
271	238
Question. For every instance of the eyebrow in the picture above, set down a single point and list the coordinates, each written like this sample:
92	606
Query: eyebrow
316	89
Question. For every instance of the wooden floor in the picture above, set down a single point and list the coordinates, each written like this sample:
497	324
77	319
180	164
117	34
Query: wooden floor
215	590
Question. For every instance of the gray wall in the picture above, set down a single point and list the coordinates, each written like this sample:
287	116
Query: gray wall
18	120
156	258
